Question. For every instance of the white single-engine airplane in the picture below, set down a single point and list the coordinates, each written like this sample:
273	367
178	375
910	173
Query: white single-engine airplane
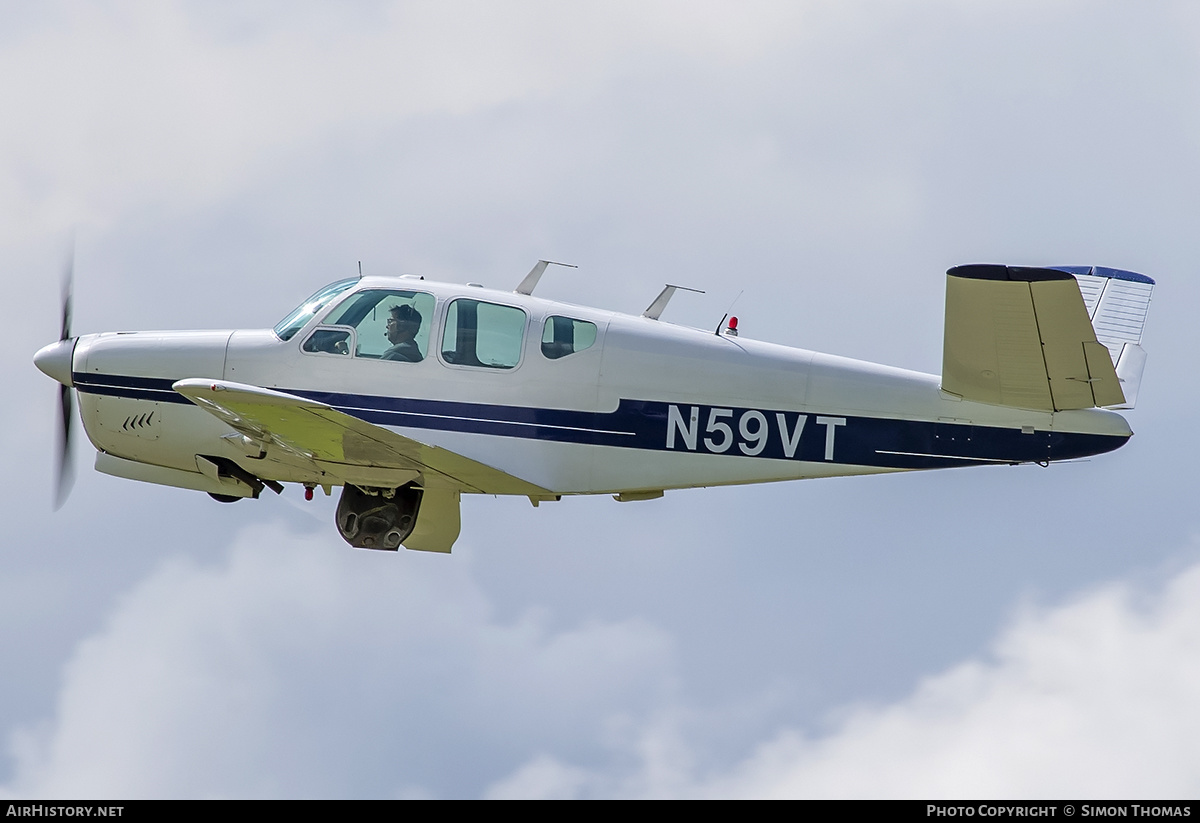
409	394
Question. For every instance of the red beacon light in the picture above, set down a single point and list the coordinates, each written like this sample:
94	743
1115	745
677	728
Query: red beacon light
731	330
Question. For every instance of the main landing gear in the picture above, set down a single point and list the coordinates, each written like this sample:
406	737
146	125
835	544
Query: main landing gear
377	518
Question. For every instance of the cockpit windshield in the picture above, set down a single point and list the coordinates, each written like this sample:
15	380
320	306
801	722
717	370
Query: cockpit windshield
295	321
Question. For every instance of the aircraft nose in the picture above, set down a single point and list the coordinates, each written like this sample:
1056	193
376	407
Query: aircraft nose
55	360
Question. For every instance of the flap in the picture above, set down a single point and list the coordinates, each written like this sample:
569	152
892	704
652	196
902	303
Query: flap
316	431
1021	337
439	522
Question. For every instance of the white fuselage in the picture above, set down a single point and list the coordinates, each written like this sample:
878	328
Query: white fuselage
646	406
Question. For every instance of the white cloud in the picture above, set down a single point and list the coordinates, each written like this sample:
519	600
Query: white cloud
1095	698
544	778
298	667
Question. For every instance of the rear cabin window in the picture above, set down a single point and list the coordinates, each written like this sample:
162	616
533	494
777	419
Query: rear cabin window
483	334
389	325
565	335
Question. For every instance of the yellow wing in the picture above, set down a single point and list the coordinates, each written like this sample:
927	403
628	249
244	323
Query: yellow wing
345	445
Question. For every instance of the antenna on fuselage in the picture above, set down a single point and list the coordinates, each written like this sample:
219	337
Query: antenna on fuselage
726	314
655	309
360	270
535	274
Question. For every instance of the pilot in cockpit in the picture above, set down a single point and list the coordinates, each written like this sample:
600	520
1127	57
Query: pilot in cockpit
401	331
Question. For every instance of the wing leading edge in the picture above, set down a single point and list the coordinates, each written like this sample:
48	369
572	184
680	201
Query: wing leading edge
1023	337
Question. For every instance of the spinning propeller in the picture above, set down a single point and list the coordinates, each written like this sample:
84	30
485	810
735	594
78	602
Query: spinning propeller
55	361
64	476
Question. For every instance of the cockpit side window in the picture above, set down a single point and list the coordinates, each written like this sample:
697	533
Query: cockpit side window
565	335
326	340
389	324
481	334
300	316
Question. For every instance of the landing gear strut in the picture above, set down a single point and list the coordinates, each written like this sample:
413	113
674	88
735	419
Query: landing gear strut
377	518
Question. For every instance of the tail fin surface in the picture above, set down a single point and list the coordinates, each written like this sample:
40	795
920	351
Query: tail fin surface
1050	339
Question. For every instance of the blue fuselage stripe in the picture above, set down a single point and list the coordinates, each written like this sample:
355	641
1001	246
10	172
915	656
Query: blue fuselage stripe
696	428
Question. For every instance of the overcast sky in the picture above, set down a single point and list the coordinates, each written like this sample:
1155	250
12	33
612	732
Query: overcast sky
999	632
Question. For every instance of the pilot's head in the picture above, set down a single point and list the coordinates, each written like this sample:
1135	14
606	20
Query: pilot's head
403	325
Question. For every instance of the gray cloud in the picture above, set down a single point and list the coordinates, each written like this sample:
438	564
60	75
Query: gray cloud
1091	698
293	668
